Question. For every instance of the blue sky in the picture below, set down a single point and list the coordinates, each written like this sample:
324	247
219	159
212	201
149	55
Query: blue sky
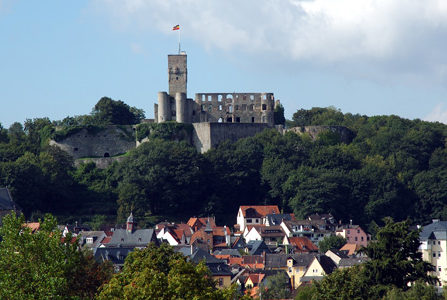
58	58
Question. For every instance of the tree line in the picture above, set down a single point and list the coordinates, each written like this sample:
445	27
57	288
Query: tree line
393	167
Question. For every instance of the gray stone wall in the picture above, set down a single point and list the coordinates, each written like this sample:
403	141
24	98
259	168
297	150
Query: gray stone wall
178	74
112	140
209	135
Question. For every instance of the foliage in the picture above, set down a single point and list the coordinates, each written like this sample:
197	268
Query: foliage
159	176
161	273
394	262
331	242
278	115
276	287
115	112
40	265
418	291
167	130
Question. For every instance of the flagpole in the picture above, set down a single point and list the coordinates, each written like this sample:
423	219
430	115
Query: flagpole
179	41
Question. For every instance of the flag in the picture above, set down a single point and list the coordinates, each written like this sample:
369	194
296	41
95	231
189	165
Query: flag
176	27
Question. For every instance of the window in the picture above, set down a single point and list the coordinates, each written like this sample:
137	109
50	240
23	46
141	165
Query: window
257	220
290	270
264	106
220	106
89	240
439	269
220	281
355	239
248	220
238	119
349	231
361	238
236	107
434	254
75	149
252	119
210	108
230	108
439	254
439	242
358	230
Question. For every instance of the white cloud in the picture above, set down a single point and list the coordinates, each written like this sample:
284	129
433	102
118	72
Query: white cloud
406	38
438	114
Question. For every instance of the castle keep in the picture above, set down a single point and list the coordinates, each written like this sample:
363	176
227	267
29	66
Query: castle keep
254	108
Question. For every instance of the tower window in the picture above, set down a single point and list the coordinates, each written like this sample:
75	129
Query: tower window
264	106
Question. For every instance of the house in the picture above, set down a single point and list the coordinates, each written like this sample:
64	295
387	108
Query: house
320	266
217	237
297	266
299	244
276	219
351	261
115	255
351	249
337	255
91	239
198	223
271	235
433	238
252	283
257	248
313	230
354	234
255	214
131	238
220	271
174	234
6	203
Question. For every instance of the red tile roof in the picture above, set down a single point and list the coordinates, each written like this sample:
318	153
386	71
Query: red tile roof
34	226
302	244
256	278
259	210
197	223
351	248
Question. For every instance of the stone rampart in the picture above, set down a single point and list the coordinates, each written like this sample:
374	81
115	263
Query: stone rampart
106	142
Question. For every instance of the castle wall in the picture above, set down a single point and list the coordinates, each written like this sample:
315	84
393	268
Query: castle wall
234	108
210	135
112	140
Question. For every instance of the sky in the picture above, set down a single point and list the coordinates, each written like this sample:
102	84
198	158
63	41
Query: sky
368	57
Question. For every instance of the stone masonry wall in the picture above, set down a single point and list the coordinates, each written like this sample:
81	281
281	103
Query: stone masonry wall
112	140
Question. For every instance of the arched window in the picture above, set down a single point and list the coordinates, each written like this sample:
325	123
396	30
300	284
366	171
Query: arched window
106	154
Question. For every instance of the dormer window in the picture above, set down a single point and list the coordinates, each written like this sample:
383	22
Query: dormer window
89	240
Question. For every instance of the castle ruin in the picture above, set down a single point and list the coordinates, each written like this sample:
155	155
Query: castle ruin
254	108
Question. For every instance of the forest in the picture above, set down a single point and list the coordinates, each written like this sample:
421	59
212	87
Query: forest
392	167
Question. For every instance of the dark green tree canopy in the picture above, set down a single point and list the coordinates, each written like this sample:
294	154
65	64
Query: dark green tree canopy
108	111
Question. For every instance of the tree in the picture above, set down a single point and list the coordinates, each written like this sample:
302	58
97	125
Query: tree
42	265
395	257
331	242
395	262
108	111
160	273
276	287
278	115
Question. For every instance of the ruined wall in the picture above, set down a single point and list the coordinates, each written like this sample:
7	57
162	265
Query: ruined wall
234	108
346	135
110	141
209	135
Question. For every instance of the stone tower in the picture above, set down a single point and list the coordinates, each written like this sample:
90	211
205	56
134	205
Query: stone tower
178	73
